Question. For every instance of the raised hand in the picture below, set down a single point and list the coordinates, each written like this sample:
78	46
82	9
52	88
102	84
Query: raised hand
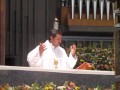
73	49
42	48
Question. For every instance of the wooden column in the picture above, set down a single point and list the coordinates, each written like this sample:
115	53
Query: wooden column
117	57
117	54
2	31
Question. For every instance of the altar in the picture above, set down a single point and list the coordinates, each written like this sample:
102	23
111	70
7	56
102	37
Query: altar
15	75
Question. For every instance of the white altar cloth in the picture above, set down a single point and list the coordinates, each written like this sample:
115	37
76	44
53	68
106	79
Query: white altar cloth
72	71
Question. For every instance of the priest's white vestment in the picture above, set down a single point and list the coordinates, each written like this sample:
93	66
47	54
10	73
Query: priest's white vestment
46	60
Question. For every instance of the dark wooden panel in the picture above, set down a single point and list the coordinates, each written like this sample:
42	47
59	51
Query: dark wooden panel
7	49
24	30
31	25
18	39
12	54
40	15
13	41
12	27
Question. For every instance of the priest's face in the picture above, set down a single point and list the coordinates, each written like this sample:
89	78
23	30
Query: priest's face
56	41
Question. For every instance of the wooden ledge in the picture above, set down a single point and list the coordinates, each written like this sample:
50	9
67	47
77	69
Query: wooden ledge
85	22
91	22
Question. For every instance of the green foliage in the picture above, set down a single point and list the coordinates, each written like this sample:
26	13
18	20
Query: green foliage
99	56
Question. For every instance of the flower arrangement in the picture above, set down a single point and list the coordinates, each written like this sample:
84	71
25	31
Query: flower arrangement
68	85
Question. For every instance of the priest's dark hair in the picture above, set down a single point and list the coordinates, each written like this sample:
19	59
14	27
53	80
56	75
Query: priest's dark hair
54	32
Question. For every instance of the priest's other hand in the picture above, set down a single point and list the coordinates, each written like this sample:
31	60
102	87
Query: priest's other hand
73	49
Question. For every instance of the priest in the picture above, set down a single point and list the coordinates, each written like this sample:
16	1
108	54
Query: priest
50	55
